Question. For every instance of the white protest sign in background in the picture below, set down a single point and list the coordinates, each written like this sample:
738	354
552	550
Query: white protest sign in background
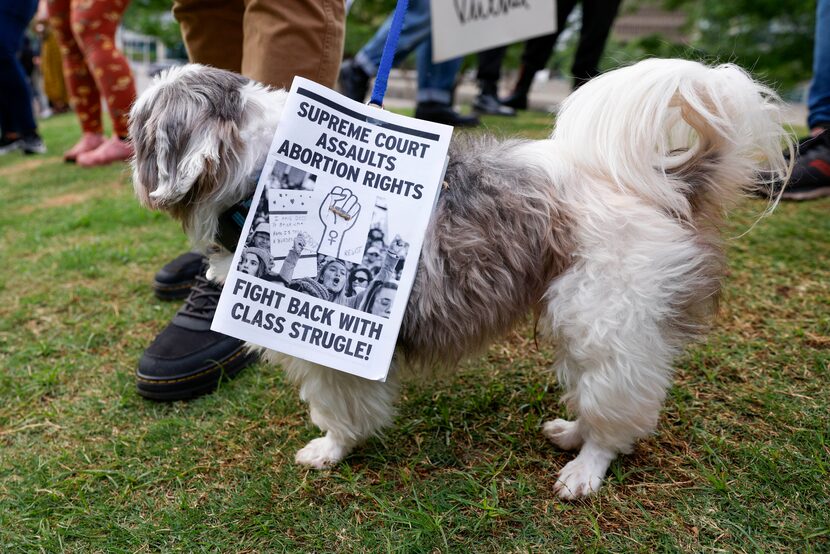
342	179
462	27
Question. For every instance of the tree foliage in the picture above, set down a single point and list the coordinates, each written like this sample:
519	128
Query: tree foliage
364	19
154	18
772	38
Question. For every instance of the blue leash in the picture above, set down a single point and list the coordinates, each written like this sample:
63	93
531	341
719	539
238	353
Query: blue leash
382	77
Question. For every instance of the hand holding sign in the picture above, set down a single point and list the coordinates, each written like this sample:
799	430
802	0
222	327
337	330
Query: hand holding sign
338	212
303	241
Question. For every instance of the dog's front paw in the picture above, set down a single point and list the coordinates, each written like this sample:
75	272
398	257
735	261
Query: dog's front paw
564	434
584	474
321	453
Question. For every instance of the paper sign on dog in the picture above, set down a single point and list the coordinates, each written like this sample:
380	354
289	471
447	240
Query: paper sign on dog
461	27
330	247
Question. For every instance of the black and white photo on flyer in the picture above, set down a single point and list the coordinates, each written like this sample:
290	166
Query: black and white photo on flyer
332	240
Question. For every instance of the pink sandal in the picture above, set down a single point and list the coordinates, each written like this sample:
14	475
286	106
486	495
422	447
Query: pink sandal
112	150
88	143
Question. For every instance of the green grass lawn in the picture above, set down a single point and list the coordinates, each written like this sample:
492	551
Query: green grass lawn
739	462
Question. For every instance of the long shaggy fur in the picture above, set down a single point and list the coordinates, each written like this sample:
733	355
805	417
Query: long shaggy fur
191	130
608	231
483	266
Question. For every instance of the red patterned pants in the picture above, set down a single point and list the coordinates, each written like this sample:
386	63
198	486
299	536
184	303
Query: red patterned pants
92	65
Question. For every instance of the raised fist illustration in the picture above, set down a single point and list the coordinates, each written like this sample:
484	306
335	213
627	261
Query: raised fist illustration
338	212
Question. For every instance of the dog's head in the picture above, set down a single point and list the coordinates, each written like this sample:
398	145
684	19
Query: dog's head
201	136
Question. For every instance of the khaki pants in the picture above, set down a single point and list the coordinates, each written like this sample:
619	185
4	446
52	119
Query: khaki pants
269	41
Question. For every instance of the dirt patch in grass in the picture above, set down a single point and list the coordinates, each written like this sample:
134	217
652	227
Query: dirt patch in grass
28	165
72	198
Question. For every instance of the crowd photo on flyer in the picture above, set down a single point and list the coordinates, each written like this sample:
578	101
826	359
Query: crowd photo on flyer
369	286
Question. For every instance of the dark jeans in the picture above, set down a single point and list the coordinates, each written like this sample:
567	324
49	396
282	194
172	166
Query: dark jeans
819	95
16	97
435	80
597	18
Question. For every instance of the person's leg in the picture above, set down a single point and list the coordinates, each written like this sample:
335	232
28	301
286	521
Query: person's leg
355	74
537	50
83	92
535	56
436	80
489	73
94	23
6	72
306	37
415	30
51	64
19	127
435	87
187	359
810	178
202	22
489	69
276	40
819	96
597	18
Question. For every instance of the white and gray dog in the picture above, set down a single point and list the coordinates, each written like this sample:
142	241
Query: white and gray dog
608	231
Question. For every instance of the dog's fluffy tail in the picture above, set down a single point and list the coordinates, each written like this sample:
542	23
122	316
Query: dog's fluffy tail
676	133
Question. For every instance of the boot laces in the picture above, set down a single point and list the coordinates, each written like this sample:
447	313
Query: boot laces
203	298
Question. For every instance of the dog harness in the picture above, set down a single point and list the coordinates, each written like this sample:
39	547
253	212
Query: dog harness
231	222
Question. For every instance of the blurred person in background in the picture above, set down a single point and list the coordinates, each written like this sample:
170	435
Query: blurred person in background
811	171
436	81
95	71
597	18
51	64
18	128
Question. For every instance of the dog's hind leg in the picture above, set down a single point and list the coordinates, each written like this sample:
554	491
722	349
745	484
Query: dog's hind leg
349	409
614	375
612	315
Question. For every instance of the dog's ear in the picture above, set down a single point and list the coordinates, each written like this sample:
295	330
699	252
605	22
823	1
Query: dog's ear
193	163
185	130
181	161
